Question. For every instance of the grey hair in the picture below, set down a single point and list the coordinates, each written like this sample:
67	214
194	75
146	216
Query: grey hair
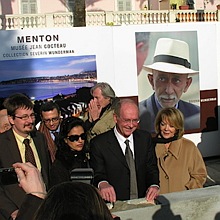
106	90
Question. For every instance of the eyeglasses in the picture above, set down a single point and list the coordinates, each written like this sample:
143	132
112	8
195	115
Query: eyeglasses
73	138
26	117
129	121
47	121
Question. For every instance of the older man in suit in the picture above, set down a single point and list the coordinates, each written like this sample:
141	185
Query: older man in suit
170	76
114	175
13	149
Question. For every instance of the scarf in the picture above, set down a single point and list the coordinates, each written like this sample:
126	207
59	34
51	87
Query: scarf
159	139
50	142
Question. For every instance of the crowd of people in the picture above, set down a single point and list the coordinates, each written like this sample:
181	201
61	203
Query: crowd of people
128	163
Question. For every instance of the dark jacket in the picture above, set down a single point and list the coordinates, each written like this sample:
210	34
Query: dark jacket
29	207
64	163
148	111
109	163
11	196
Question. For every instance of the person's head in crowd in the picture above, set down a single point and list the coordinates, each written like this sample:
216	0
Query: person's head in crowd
126	116
170	73
51	115
73	200
169	123
142	48
103	94
4	122
72	135
21	113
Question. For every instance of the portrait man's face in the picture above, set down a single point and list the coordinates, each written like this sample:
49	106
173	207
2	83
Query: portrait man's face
169	87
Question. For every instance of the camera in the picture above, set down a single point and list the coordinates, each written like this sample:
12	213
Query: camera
8	176
84	175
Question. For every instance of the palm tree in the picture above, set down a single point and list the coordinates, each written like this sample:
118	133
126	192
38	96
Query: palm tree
78	7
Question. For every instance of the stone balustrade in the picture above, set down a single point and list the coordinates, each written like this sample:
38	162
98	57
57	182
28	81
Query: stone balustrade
102	18
197	204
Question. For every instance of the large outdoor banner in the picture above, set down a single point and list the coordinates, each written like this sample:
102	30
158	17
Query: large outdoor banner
186	88
48	63
44	63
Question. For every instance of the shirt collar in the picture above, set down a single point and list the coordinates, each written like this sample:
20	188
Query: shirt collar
122	138
19	137
58	130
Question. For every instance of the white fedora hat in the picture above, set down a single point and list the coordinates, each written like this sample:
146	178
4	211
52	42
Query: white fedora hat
171	56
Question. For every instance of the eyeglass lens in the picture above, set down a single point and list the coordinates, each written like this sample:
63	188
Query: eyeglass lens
51	120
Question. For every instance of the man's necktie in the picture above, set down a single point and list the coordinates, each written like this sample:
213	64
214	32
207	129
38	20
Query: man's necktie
29	156
133	178
56	137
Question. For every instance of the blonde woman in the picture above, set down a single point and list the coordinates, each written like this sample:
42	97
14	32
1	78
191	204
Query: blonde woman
181	166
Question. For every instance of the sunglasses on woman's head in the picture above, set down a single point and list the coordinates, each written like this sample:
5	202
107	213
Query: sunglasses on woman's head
73	138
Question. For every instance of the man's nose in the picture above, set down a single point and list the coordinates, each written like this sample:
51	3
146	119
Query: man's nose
169	88
51	122
131	124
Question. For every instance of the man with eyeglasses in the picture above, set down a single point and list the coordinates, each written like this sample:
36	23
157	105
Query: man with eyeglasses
113	173
13	149
50	125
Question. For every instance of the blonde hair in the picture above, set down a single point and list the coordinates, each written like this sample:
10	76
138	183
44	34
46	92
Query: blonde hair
174	117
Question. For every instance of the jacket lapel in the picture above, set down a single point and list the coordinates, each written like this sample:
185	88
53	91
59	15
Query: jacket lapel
12	146
137	148
115	148
37	143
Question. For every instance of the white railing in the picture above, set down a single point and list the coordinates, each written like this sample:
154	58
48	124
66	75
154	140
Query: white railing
10	22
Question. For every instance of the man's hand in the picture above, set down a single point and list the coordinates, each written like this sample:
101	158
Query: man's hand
30	179
14	214
152	193
94	111
107	192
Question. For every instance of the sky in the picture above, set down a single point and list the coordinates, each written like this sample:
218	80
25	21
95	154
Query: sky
38	67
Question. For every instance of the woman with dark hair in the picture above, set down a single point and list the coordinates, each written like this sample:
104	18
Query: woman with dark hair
72	150
181	166
69	200
73	200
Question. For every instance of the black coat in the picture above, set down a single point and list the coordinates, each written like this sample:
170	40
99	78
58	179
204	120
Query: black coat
64	163
109	163
11	196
